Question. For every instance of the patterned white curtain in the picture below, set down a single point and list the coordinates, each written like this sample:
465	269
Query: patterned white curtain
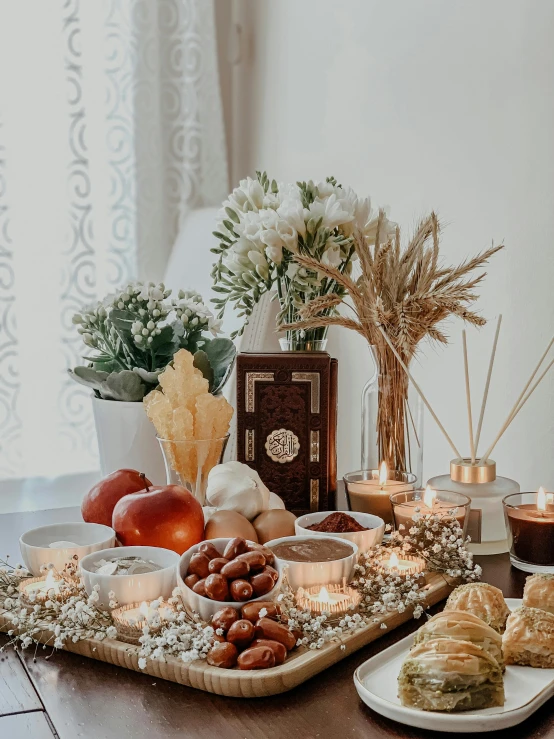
111	130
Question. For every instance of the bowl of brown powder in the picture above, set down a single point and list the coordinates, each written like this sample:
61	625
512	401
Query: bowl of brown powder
362	529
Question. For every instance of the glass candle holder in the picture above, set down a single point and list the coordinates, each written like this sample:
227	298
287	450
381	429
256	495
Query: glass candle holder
435	502
530	532
188	463
369	494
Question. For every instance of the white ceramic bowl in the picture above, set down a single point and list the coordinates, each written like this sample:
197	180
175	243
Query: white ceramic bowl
364	539
132	588
308	574
89	537
206	607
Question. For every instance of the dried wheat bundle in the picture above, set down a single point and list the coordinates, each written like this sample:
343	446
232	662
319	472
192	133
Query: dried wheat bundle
405	292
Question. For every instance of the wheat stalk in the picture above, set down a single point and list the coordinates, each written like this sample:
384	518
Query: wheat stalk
406	292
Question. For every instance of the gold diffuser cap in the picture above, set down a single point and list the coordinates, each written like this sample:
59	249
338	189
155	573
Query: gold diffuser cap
461	470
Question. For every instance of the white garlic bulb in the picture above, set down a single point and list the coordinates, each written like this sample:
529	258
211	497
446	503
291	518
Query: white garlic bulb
275	502
234	486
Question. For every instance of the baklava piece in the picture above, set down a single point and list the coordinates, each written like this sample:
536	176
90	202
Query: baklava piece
529	638
482	600
463	626
450	675
539	592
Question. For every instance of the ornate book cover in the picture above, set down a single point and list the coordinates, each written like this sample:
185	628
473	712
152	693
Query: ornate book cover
286	425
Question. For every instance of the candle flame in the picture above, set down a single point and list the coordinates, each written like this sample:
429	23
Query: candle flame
50	579
144	609
323	595
541	499
394	561
429	496
383	473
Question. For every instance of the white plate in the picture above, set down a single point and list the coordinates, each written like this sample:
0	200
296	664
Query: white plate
526	688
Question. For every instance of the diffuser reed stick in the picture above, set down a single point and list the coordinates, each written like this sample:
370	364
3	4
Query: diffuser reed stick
516	408
487	383
468	399
419	391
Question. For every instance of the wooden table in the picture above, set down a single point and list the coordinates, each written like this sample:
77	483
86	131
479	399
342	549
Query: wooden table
71	697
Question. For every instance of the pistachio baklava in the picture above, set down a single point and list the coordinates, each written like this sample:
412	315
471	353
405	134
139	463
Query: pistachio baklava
450	675
482	600
529	638
462	626
539	592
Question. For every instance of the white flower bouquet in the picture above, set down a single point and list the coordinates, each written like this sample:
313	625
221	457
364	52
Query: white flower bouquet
135	333
264	225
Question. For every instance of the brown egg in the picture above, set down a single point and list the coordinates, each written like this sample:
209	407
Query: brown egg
228	524
274	524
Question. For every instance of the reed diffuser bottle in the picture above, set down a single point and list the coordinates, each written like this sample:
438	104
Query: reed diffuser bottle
476	477
480	482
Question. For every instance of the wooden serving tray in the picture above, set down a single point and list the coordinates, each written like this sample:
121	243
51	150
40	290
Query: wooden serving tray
300	666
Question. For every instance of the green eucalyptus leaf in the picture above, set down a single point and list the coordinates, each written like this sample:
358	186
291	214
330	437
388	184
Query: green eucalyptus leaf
202	363
89	377
124	386
150	378
221	354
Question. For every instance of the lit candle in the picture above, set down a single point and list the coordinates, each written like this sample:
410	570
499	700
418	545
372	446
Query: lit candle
130	620
397	567
530	519
431	502
333	599
42	588
369	491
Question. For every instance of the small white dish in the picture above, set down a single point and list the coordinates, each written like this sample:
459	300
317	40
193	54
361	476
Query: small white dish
308	574
206	607
88	537
526	688
132	588
365	540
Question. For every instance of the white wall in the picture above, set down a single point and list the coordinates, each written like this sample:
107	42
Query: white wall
427	104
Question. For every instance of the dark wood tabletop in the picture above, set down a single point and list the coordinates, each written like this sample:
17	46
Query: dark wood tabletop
69	696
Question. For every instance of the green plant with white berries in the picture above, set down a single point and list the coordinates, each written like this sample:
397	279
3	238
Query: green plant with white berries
134	334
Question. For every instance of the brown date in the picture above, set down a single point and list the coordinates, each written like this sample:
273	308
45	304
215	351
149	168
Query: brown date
241	590
241	633
256	560
279	650
209	550
191	580
268	554
222	654
219	638
273	572
200	587
235	568
235	547
224	618
262	583
257	658
216	564
217	587
251	611
268	629
198	565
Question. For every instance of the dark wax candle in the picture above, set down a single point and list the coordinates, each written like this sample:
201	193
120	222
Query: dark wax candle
532	533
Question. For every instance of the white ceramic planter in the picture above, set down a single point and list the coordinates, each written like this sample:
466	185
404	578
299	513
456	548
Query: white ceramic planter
127	439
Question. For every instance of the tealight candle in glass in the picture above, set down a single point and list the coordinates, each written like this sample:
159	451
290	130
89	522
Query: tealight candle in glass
429	501
400	564
530	523
369	490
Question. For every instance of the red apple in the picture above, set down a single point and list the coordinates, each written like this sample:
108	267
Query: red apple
99	502
167	516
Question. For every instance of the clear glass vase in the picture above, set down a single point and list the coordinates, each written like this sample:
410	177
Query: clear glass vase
392	418
188	463
303	345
